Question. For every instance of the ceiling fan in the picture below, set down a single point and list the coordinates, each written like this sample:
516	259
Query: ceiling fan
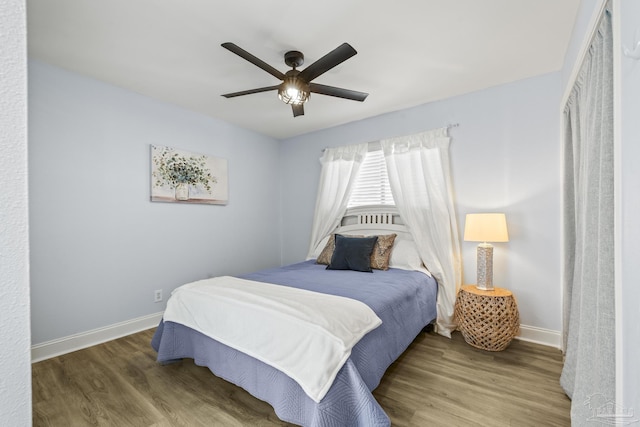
297	85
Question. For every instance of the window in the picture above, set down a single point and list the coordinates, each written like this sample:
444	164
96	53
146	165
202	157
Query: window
372	185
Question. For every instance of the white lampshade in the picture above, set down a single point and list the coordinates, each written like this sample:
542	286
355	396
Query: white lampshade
486	227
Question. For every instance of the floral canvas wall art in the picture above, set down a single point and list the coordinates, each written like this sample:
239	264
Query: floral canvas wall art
179	176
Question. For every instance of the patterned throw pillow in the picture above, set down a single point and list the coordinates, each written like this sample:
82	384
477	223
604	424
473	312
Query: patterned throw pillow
382	252
327	252
379	257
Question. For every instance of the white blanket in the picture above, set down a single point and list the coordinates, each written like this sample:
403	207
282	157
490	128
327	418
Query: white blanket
307	335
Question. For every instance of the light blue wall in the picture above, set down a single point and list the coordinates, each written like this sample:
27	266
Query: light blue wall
99	247
505	157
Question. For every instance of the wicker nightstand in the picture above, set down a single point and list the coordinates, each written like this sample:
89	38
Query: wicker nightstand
488	320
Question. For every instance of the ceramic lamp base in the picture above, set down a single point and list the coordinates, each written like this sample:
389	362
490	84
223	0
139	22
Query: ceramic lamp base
484	262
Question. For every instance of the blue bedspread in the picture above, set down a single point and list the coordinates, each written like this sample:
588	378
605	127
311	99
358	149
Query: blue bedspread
404	300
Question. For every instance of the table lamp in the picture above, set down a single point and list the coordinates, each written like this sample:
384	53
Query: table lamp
485	228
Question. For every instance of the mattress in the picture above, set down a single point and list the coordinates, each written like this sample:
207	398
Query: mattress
404	300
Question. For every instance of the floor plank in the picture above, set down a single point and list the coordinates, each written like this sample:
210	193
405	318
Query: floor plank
436	382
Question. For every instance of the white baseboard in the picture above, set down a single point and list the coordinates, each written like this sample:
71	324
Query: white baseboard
540	336
57	347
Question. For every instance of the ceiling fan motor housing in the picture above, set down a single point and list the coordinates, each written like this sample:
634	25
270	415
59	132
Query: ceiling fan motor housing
293	58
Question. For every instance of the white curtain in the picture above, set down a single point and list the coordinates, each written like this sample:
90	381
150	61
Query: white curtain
340	168
419	174
589	310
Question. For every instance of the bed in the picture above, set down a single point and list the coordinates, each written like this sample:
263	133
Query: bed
403	297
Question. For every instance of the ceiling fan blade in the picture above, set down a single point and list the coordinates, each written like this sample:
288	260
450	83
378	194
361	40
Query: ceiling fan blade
298	109
253	59
338	92
327	62
250	91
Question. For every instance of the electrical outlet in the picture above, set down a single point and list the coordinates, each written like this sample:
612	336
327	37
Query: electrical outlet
157	295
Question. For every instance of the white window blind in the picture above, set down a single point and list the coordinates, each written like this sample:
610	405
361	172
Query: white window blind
372	184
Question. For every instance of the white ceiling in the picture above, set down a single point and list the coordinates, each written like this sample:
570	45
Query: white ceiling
409	52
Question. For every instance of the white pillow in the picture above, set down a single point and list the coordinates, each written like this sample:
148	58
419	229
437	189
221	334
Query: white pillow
404	255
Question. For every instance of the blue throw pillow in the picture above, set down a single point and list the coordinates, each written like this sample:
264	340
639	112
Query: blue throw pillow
352	253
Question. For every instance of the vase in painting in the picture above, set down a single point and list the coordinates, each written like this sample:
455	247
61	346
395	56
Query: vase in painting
182	191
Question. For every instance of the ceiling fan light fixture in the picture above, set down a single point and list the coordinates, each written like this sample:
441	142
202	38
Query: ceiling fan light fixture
294	91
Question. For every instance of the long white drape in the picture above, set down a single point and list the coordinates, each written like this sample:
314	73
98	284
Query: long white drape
340	168
419	174
589	309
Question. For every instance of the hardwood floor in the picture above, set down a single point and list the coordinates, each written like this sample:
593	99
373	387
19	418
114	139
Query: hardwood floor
436	382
